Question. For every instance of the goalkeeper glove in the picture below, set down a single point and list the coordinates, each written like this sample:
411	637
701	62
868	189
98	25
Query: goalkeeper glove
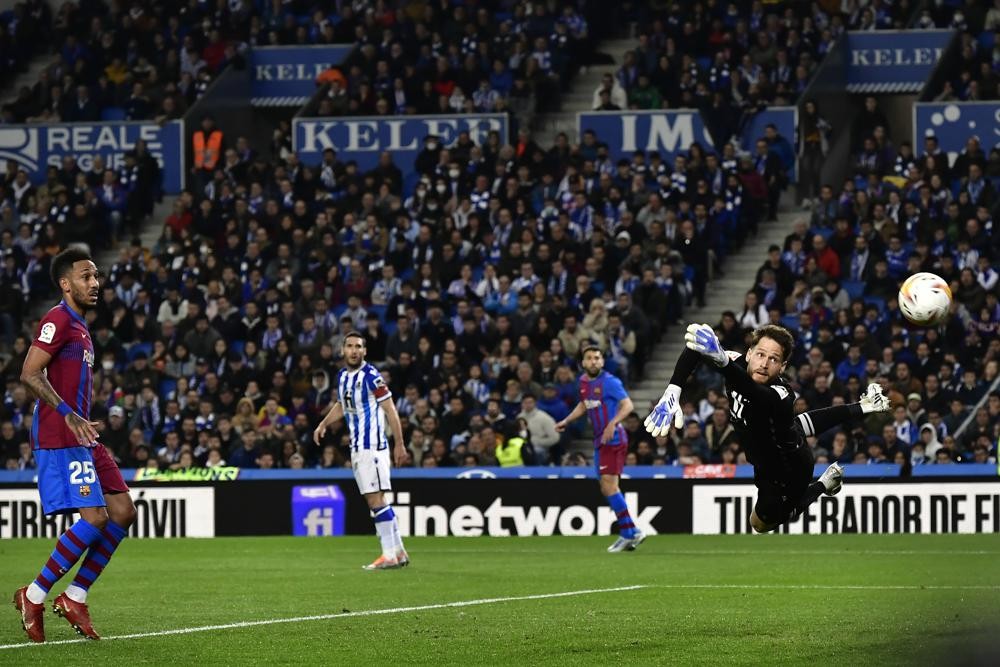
702	339
666	411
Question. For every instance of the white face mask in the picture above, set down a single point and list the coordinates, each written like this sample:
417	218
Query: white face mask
432	146
454	173
442	188
107	365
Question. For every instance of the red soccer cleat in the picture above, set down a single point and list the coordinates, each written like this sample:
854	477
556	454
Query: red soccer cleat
31	615
77	614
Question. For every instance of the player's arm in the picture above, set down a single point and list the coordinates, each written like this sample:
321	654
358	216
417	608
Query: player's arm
399	450
578	411
335	413
34	378
624	409
667	411
701	339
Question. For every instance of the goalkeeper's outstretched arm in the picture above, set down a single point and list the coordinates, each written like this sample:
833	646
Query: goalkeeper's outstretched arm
667	411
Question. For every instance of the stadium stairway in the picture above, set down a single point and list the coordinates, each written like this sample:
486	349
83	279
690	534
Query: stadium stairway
725	292
578	97
27	78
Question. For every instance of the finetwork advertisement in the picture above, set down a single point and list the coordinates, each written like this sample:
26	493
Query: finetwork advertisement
161	512
286	75
925	508
37	147
953	124
672	132
506	516
893	61
363	139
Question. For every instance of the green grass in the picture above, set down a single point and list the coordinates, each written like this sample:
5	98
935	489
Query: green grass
900	599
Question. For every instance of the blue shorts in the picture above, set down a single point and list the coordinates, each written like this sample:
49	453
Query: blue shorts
67	480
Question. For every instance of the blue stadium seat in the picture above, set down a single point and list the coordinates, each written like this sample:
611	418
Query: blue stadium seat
790	322
237	346
377	310
985	40
825	232
167	386
390	327
876	301
704	63
136	348
854	289
112	113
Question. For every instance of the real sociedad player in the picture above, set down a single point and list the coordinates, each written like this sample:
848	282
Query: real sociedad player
604	400
363	399
75	472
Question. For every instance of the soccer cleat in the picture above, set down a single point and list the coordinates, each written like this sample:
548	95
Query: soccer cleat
636	540
621	544
833	479
77	614
402	558
32	619
873	400
383	563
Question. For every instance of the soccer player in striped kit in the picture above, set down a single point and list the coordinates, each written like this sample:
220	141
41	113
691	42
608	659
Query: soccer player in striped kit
603	399
76	473
364	400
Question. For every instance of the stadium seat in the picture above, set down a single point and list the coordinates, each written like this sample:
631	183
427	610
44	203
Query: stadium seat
138	348
167	387
377	310
790	322
876	301
237	346
854	288
112	114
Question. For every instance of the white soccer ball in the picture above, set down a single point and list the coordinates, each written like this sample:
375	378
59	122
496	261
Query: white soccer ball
925	299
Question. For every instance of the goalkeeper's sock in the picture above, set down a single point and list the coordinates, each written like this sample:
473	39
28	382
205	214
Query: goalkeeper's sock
625	525
384	518
819	421
813	491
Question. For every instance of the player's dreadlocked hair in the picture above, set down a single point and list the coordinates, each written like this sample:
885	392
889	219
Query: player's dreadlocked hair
64	261
779	335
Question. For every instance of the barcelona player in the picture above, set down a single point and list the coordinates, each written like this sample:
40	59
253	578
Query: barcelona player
75	472
603	399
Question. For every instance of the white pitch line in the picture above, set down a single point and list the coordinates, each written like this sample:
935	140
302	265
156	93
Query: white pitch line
836	587
326	617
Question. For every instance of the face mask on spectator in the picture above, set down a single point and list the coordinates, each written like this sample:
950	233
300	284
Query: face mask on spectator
432	145
107	365
441	187
454	173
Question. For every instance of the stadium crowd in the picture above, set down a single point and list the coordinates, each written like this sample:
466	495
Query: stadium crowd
477	289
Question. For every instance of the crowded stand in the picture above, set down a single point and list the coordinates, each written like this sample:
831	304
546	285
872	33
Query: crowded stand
479	272
977	73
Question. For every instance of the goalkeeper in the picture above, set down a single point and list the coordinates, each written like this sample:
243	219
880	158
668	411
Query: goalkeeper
761	411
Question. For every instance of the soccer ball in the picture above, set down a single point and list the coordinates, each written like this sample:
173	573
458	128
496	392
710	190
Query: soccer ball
925	299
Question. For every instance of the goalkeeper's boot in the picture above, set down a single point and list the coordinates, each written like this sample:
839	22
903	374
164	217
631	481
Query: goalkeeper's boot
77	614
873	400
636	540
32	615
833	479
402	558
382	563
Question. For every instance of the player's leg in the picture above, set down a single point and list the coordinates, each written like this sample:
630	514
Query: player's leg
819	421
372	480
610	462
121	515
66	482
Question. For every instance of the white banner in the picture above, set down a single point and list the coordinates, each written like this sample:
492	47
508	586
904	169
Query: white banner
860	508
168	511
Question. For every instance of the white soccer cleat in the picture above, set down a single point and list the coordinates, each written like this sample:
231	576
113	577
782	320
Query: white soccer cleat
402	558
873	400
621	544
636	540
382	563
833	479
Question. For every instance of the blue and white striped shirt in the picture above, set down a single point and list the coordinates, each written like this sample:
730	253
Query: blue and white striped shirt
360	392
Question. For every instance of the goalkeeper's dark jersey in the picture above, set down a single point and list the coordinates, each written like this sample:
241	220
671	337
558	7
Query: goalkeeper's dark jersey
763	416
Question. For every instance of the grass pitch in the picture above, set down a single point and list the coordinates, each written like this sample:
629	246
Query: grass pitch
886	600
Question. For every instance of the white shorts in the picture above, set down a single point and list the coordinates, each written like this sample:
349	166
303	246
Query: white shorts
371	470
